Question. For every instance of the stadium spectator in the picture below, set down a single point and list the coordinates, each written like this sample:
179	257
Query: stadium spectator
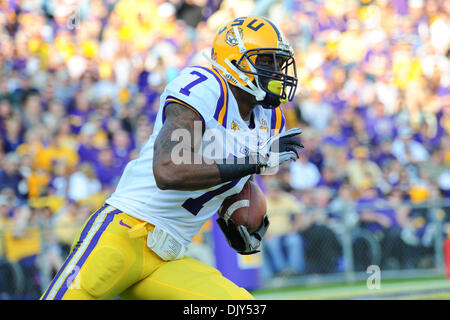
90	138
50	256
53	116
313	151
13	135
6	285
313	105
361	135
409	252
121	146
304	174
83	183
380	125
382	155
343	216
362	171
408	151
60	178
330	179
10	176
23	246
106	170
283	246
322	247
352	44
67	220
380	219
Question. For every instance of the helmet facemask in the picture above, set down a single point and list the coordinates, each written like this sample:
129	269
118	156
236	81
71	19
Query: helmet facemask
274	73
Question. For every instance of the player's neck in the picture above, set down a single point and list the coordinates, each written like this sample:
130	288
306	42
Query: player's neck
246	113
246	102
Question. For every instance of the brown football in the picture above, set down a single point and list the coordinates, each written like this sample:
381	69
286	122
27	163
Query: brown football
246	208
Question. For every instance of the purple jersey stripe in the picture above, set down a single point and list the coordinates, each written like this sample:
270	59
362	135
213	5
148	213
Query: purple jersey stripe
109	218
82	237
273	121
220	102
226	114
171	99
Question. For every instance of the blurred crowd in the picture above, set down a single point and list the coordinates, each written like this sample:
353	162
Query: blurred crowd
79	92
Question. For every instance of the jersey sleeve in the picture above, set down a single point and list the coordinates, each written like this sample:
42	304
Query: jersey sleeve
200	89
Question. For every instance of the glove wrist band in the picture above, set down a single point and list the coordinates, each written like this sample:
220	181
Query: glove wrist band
239	168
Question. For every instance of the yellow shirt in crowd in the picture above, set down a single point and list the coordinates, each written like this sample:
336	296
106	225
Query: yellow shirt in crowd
279	211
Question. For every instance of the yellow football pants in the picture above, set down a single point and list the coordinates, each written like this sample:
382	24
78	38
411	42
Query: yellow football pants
110	258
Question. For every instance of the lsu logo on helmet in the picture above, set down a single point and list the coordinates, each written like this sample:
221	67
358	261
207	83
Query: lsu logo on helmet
230	37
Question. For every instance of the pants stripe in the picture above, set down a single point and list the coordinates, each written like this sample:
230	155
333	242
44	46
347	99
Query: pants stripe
87	234
92	243
69	258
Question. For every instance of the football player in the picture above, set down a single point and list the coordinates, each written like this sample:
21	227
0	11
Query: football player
134	246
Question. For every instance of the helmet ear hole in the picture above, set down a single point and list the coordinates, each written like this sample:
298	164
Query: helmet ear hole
241	65
236	64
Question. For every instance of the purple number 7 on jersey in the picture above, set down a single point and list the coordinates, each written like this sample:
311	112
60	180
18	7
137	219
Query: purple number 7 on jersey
201	78
195	205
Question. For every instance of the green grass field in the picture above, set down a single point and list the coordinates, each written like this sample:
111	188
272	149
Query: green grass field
406	289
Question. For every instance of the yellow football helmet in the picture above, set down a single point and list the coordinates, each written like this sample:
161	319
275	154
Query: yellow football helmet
253	54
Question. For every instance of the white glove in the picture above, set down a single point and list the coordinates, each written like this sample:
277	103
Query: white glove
276	150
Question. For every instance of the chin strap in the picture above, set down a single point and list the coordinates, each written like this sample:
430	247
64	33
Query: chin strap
256	91
251	88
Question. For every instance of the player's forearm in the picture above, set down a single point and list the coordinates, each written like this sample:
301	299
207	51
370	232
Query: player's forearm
187	176
201	175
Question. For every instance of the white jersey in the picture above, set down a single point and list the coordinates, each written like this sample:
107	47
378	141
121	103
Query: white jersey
182	213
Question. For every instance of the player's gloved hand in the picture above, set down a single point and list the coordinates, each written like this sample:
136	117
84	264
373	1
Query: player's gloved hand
278	149
239	238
